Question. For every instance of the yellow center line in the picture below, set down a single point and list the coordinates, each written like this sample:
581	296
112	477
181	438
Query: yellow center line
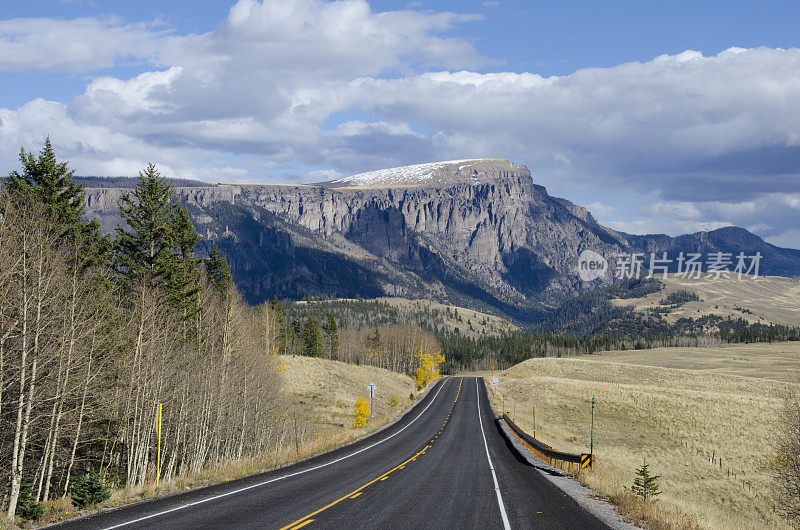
304	520
302	524
353	494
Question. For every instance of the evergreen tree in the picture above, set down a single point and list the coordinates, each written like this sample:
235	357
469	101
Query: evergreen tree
644	485
293	336
312	339
279	324
185	269
46	181
145	249
217	270
332	332
375	339
49	182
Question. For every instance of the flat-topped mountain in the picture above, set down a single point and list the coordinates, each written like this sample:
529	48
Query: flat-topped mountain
476	233
433	174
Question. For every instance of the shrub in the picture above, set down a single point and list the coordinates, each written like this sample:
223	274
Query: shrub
645	485
362	413
30	510
393	401
89	490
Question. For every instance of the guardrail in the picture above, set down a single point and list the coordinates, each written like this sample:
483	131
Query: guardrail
547	453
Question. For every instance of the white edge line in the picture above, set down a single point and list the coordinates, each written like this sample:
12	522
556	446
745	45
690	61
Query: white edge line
506	524
240	490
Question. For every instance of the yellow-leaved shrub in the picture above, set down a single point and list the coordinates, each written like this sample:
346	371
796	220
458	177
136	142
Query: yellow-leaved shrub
362	413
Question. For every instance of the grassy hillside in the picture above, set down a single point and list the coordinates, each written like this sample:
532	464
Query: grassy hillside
323	393
678	418
428	314
764	299
777	361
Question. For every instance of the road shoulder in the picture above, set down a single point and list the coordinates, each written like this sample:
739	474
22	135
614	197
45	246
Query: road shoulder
588	500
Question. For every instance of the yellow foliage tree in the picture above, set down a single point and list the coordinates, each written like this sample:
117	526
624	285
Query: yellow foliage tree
362	413
428	366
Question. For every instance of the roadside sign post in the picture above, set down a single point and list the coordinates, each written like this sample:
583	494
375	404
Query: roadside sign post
591	435
158	457
372	387
534	421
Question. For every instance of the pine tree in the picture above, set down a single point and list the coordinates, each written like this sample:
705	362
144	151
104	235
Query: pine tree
46	181
280	325
375	339
217	270
312	339
145	249
49	182
293	337
184	272
332	331
644	485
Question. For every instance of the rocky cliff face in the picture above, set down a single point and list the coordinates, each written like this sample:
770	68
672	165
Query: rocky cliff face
476	232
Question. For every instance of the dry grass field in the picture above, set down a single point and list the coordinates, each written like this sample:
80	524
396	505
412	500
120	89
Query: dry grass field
769	298
679	419
323	394
778	361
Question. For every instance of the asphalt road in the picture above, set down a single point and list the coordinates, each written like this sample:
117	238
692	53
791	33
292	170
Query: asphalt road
445	464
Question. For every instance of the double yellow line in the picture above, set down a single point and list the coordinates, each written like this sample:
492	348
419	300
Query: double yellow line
308	518
353	494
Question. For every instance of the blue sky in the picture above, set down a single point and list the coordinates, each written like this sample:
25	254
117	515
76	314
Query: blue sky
659	116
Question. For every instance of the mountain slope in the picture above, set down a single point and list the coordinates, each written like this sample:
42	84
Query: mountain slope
476	233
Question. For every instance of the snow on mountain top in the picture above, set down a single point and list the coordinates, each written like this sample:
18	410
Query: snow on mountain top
408	175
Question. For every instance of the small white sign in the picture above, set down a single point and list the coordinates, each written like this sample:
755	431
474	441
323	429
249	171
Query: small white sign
495	381
372	388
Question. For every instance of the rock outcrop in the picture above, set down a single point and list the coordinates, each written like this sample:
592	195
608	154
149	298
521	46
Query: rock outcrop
475	232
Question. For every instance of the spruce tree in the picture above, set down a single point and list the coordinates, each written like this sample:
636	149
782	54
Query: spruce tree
644	485
332	331
184	272
49	182
217	270
293	337
280	324
312	339
145	248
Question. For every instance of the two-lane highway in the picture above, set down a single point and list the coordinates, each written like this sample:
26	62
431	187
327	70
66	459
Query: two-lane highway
444	464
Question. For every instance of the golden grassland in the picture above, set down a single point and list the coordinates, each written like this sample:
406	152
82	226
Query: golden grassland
768	298
778	361
320	396
676	418
323	394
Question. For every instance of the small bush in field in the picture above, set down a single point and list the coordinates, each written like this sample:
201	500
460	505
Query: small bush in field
30	510
393	401
89	490
362	413
645	485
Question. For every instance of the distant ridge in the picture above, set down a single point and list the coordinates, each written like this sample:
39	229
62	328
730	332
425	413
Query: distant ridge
131	182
